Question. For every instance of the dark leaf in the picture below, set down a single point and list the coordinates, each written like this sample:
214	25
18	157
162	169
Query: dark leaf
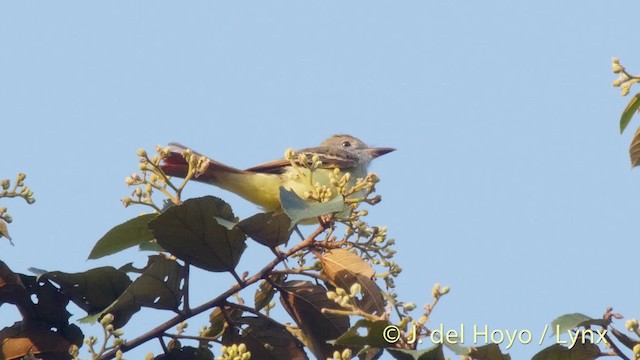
259	333
157	287
345	268
73	334
304	302
217	321
265	291
124	236
624	339
432	353
186	353
92	290
38	301
269	229
299	210
488	352
370	354
629	111
13	291
129	268
634	149
586	351
191	233
50	303
16	341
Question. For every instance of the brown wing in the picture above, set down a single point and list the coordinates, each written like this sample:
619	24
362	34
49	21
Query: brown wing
331	158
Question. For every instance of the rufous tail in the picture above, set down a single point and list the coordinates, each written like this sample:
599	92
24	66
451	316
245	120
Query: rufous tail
176	165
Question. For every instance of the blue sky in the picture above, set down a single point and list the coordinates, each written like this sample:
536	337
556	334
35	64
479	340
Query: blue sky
511	182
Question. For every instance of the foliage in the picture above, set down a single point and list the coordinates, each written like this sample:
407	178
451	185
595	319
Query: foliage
625	81
336	284
341	271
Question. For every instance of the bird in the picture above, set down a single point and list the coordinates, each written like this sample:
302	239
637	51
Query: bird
261	184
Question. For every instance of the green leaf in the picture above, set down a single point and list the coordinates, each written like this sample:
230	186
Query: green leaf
373	337
580	351
564	323
629	111
567	322
123	236
37	271
229	225
432	353
191	232
299	210
150	246
268	229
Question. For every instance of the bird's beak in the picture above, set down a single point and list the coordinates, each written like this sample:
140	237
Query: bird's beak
377	152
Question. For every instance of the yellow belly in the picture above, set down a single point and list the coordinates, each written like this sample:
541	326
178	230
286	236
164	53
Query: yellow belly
264	189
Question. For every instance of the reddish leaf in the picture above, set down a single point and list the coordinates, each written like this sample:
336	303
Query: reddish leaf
304	302
345	268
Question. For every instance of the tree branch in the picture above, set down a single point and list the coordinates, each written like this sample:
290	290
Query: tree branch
220	299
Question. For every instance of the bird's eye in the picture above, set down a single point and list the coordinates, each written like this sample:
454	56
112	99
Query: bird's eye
346	144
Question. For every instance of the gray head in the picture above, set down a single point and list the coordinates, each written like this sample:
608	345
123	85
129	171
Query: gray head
355	145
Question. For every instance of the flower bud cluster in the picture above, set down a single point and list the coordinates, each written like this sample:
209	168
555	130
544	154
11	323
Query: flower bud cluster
151	177
343	298
346	354
624	80
437	291
19	189
234	352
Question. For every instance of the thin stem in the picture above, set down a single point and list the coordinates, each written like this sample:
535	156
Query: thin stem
237	277
165	178
185	289
300	272
629	76
615	347
189	337
248	309
163	345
